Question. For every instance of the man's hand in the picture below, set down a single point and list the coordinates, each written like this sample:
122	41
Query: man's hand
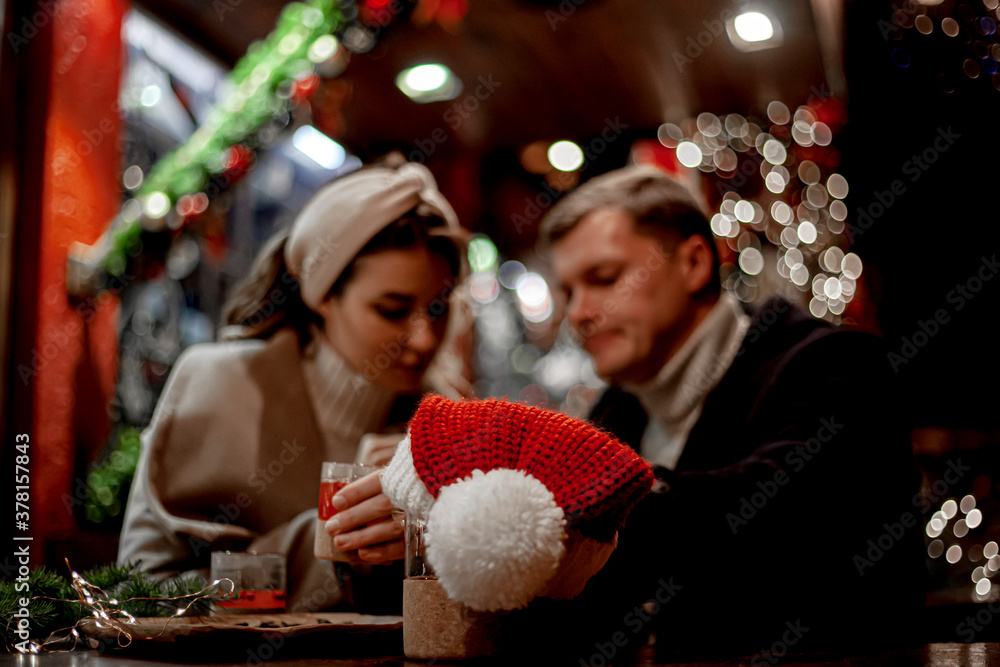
364	522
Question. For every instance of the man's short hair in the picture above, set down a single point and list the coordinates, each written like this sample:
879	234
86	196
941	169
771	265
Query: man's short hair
660	205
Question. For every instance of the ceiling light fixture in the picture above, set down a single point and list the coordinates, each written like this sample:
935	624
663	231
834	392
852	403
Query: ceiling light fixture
755	31
318	147
753	27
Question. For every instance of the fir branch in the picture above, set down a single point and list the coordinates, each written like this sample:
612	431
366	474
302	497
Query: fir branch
53	603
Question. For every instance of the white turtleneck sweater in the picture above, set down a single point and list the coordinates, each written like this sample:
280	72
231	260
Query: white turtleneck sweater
674	398
345	403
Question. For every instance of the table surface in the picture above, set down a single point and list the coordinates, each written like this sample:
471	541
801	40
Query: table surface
934	655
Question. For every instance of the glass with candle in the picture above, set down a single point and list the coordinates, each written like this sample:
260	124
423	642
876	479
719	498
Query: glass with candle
258	581
435	627
333	478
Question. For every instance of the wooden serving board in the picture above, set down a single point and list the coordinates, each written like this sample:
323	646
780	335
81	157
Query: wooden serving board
227	627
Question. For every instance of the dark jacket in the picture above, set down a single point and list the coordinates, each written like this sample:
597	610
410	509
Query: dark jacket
760	539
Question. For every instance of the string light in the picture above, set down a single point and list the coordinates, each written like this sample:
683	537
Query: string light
108	613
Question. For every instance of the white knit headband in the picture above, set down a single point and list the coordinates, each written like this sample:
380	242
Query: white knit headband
342	217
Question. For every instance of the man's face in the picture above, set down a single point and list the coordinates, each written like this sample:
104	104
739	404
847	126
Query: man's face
627	297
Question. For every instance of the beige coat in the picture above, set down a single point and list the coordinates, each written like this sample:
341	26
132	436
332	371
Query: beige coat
231	460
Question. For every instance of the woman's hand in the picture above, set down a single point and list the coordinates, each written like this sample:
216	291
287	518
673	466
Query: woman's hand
364	522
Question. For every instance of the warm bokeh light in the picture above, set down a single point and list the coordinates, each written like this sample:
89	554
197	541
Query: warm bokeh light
935	549
968	503
751	261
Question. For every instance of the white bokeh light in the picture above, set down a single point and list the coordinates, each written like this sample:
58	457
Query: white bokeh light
751	261
565	156
688	154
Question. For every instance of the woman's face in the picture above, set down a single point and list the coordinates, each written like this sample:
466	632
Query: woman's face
390	316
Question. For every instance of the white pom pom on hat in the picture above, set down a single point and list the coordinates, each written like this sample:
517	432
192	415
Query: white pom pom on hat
495	539
499	484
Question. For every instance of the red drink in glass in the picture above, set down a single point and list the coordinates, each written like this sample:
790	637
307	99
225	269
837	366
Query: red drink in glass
334	477
256	602
327	490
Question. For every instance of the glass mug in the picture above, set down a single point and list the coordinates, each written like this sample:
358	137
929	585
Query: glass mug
333	478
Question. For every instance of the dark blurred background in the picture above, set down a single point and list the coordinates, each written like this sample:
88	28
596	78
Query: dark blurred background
849	162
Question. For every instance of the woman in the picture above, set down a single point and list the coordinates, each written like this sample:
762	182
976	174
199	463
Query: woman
337	328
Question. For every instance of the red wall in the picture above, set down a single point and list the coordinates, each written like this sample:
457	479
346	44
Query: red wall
76	348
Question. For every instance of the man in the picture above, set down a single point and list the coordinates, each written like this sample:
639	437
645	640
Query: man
778	455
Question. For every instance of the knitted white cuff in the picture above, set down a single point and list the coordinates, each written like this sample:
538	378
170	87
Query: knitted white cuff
403	486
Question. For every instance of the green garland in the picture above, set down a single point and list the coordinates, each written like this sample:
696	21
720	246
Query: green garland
53	603
260	82
108	483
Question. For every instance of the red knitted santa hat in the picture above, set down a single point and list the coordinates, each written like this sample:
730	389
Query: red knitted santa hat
499	484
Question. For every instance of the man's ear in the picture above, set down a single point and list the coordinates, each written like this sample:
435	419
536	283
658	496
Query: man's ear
696	263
